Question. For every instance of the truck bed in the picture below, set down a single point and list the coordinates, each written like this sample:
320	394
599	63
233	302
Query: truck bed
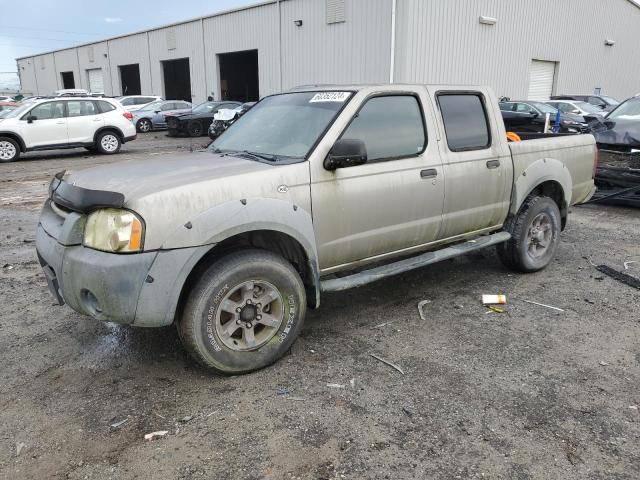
575	152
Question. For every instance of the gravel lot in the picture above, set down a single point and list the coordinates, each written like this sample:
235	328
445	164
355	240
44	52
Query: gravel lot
529	394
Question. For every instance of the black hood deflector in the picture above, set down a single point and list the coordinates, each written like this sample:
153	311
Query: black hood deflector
82	200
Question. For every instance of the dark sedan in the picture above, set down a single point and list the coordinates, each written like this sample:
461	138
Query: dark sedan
196	123
530	117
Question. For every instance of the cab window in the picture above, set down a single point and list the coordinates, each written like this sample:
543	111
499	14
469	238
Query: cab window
465	121
391	127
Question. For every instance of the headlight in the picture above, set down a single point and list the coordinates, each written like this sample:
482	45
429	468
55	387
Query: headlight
571	123
113	230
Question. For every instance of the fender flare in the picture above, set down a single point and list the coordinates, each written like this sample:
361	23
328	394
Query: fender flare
539	172
243	216
105	128
16	137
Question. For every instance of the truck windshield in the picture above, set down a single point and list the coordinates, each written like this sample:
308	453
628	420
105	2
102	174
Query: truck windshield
283	126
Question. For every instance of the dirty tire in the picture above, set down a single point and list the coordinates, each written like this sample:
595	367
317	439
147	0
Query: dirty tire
9	150
108	143
518	253
200	321
195	129
143	125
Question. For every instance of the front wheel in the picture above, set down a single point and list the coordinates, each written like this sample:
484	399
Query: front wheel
195	129
108	143
9	149
535	234
244	313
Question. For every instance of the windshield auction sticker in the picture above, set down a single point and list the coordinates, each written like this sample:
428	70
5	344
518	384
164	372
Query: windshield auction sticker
330	97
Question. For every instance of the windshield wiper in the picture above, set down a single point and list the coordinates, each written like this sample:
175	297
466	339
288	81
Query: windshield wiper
263	156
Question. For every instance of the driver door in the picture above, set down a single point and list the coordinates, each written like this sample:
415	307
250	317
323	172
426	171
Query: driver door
47	127
389	204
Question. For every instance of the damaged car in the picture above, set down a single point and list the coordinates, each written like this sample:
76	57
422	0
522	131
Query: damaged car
196	122
620	130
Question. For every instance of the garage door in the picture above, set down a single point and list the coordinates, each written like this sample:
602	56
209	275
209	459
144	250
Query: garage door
96	81
541	77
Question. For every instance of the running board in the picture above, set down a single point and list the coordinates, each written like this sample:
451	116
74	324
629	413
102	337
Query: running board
384	271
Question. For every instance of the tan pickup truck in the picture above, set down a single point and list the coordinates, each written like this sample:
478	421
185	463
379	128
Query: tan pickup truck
315	190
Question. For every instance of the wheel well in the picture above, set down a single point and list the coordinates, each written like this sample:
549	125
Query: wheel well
115	130
554	191
277	242
16	137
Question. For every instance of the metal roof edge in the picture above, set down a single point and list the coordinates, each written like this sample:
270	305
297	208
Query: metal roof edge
147	30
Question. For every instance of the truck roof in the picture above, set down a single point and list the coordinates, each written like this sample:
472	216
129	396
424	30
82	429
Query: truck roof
365	86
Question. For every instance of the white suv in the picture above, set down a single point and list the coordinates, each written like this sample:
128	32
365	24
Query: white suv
51	123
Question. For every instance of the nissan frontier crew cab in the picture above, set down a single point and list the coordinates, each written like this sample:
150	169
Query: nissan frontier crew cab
315	190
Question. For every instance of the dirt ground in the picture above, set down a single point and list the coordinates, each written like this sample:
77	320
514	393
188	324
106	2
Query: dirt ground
533	393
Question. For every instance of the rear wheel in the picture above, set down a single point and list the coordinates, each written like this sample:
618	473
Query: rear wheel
144	125
108	143
535	234
195	129
9	149
244	313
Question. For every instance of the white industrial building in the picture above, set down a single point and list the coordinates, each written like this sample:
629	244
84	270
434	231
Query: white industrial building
522	48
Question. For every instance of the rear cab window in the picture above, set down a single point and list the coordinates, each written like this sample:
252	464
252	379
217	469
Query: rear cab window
391	127
465	121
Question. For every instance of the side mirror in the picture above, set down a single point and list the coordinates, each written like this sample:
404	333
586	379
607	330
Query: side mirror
346	152
157	111
31	119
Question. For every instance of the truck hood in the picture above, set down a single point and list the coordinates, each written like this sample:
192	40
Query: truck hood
139	178
171	190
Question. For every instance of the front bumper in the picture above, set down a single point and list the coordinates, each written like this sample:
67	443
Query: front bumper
141	289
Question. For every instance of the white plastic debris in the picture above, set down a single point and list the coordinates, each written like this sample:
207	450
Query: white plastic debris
494	299
120	423
154	435
335	385
420	305
543	305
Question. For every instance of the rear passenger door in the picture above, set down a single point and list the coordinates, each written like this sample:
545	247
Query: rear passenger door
477	163
83	121
391	203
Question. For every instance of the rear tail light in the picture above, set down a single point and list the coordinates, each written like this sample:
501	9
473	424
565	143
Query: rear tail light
596	162
128	115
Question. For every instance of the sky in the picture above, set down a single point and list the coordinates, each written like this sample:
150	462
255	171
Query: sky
33	26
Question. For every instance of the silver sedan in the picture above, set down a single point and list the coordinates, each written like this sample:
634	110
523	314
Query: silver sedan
152	116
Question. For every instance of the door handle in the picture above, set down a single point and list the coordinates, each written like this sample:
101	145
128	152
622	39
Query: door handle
491	164
97	119
59	123
429	173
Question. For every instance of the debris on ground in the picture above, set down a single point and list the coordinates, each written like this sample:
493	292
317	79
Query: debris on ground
420	305
335	385
619	276
387	362
120	423
407	412
19	447
282	391
544	305
7	266
626	264
495	309
603	363
186	418
352	383
154	435
381	325
494	299
633	407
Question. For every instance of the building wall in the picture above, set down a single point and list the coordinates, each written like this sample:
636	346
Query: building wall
437	41
458	49
125	51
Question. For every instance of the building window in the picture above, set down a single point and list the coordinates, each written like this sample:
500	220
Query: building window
171	39
335	11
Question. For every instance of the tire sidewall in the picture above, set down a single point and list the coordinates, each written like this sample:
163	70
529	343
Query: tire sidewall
218	284
549	207
16	146
193	126
99	143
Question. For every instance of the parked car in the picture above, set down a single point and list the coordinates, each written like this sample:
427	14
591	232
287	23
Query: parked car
620	130
135	102
225	243
4	98
603	102
578	108
152	116
65	122
196	123
530	117
4	105
227	117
